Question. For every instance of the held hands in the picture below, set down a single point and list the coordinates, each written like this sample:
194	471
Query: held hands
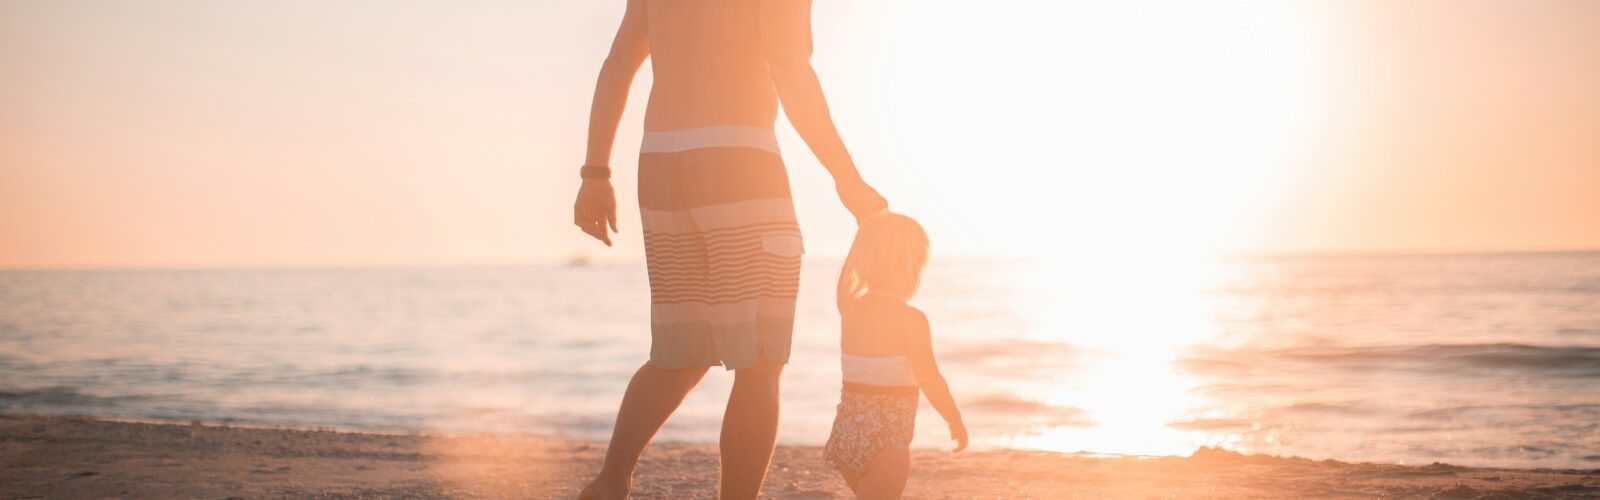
595	209
958	432
860	199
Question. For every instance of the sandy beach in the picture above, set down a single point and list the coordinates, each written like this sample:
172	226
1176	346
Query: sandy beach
65	457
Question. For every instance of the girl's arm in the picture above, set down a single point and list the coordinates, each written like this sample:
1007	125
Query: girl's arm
596	207
786	33
920	352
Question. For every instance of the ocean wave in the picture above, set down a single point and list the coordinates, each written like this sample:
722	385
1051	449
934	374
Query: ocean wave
1582	410
58	396
1010	351
1323	408
1572	360
395	376
1009	405
1215	425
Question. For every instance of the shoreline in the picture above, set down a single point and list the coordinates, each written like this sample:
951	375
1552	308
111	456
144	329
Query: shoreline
529	436
85	457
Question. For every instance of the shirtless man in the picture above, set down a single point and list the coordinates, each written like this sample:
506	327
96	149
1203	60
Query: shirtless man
720	234
721	241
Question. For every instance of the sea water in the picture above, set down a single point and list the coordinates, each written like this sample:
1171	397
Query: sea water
1490	360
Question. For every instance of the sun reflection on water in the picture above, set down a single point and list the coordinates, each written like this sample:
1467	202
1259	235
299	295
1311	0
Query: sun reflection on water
1131	323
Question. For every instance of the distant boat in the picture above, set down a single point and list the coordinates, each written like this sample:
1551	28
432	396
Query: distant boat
580	260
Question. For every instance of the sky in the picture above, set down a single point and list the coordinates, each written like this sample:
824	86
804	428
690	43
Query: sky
203	133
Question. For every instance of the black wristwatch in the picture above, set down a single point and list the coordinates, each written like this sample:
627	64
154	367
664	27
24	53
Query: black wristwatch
594	172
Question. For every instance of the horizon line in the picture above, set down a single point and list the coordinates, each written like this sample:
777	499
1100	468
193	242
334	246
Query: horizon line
574	261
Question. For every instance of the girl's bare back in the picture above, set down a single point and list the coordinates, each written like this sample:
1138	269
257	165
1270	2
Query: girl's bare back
875	326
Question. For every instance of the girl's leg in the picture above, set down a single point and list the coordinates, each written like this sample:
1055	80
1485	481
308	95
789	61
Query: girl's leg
885	477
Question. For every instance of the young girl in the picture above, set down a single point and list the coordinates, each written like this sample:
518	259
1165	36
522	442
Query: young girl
887	359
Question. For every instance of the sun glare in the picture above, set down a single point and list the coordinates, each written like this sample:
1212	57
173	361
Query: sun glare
1190	119
1132	397
1164	130
1127	386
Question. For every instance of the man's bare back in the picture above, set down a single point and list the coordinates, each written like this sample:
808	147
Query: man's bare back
709	64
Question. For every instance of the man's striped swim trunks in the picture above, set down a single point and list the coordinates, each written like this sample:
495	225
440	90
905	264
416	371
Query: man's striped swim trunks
722	246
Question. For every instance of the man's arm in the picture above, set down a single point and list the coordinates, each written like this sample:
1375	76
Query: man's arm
786	33
628	52
596	207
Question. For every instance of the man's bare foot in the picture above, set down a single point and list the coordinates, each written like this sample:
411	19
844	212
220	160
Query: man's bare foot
604	490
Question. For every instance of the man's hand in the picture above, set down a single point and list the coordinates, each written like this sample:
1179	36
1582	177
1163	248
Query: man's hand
595	209
860	199
958	432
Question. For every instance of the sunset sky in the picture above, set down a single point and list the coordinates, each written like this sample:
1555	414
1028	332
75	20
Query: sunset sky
226	133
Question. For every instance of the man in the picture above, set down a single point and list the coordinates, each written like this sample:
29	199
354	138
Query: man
721	241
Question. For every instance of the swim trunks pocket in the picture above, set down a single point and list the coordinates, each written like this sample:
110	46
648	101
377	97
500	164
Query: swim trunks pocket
784	245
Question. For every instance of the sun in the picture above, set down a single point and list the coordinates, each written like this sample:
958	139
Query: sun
1145	124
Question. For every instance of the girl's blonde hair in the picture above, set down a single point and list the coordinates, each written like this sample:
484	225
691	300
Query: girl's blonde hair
886	258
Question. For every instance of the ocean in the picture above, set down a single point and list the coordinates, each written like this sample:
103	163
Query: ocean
1481	360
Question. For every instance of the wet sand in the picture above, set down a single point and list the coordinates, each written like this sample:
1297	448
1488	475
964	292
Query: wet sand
65	457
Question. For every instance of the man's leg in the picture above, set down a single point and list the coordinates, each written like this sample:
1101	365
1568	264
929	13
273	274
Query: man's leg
652	396
749	430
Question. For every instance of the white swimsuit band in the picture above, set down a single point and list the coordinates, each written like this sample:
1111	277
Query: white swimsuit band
878	370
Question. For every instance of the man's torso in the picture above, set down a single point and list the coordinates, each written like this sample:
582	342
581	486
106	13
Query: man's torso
709	65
